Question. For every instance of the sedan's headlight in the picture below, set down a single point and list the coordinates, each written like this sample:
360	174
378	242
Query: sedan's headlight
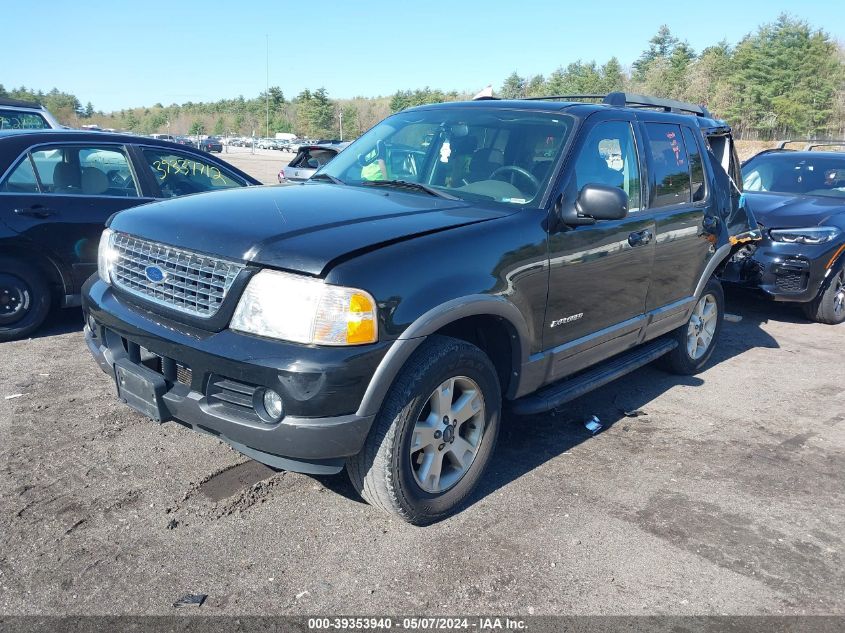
106	255
305	310
810	235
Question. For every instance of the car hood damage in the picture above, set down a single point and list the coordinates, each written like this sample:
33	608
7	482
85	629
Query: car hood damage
789	211
301	228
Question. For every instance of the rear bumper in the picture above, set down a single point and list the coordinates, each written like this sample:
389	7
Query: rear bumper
207	382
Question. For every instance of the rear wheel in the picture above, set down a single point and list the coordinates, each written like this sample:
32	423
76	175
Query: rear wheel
24	299
829	306
697	338
435	434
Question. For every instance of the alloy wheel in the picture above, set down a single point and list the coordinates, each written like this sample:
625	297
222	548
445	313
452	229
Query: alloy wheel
702	326
447	434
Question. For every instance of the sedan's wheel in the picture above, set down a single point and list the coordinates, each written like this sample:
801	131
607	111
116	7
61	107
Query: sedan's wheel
829	306
24	299
697	339
434	435
447	434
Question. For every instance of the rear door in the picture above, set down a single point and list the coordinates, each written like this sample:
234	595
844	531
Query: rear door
599	274
60	196
680	203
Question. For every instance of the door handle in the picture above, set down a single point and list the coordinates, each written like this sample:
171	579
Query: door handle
36	211
640	238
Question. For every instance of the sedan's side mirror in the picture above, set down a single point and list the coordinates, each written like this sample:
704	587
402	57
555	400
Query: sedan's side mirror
602	202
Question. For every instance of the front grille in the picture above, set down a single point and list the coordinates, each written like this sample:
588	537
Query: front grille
791	282
172	370
193	284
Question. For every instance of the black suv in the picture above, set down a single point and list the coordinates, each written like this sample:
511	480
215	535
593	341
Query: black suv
798	198
58	188
455	256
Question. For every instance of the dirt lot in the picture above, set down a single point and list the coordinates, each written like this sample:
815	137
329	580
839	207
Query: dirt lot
727	497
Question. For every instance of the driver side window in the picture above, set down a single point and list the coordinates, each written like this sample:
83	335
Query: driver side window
609	157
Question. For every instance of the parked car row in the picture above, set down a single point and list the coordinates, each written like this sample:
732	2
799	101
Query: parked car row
58	188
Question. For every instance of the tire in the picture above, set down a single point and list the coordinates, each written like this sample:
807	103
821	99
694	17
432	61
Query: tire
683	359
829	305
24	299
391	474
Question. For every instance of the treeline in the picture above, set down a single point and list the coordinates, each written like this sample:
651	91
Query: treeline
786	79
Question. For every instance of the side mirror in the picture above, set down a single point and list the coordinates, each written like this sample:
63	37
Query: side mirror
602	202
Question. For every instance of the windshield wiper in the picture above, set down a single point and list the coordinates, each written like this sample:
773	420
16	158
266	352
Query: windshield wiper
414	186
329	177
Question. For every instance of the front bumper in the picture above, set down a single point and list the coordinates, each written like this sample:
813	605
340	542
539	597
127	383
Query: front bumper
784	272
210	382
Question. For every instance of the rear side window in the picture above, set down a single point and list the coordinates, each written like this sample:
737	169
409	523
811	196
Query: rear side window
179	174
19	120
670	164
22	179
696	168
313	158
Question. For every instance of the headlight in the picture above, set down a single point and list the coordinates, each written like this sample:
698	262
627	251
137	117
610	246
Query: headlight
305	310
810	235
106	255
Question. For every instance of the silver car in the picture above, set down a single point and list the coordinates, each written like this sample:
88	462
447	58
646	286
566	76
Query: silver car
25	115
308	160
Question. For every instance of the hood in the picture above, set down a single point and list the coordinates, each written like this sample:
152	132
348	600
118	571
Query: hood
791	211
300	228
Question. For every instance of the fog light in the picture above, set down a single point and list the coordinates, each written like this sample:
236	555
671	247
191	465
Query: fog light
273	404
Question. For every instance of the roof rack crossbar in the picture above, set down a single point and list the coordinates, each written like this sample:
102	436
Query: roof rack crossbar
629	99
810	143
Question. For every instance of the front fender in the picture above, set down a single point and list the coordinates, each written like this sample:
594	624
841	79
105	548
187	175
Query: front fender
432	321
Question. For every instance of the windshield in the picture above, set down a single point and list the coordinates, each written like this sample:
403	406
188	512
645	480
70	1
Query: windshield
504	156
804	173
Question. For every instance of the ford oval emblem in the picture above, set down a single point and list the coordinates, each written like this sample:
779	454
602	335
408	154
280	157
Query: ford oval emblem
154	274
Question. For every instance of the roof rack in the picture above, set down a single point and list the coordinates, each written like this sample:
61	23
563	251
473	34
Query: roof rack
20	104
811	143
629	99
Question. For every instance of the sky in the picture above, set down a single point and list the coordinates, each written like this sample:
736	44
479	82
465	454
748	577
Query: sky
119	54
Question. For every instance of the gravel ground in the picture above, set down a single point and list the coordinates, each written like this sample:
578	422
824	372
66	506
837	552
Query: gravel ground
726	498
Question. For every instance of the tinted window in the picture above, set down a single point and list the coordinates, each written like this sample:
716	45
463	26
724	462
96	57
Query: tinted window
670	164
180	174
16	120
802	173
22	179
696	167
84	171
609	157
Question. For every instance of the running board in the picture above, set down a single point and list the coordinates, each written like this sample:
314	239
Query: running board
568	389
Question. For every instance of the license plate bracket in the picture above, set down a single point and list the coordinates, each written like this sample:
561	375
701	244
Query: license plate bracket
142	389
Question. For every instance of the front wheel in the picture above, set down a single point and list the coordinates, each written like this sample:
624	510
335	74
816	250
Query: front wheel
434	435
829	306
697	338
